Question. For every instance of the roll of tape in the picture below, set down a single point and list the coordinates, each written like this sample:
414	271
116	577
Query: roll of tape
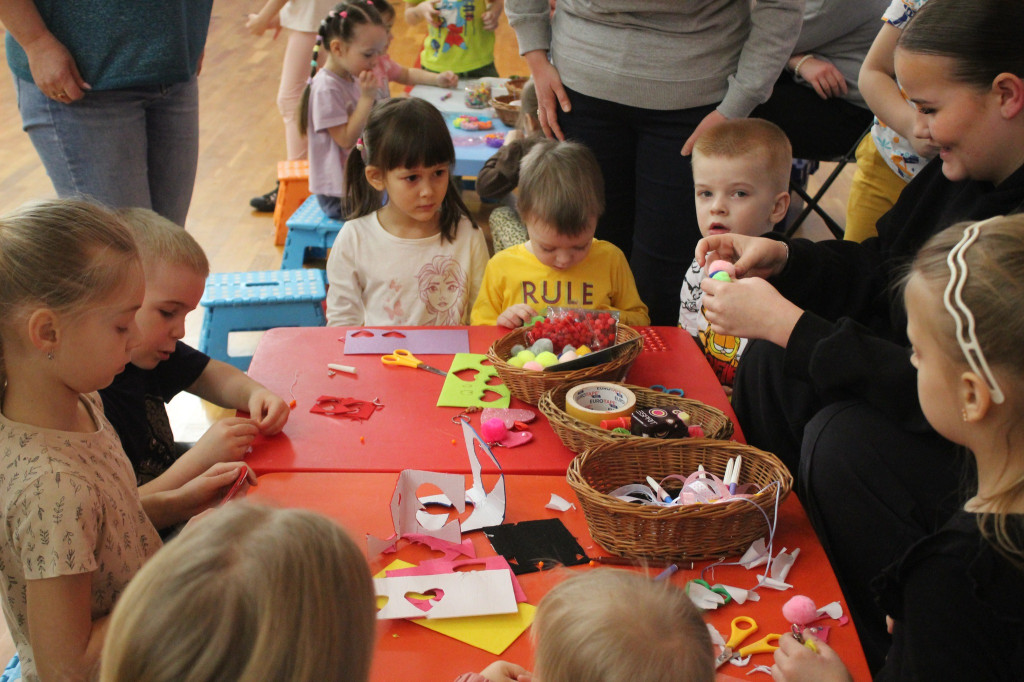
597	401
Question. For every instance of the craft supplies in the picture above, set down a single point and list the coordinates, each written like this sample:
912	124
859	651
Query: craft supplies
472	123
743	627
494	139
576	327
478	96
659	422
334	367
670	391
493	430
801	611
480	391
722	270
403	358
594	402
237	485
349	408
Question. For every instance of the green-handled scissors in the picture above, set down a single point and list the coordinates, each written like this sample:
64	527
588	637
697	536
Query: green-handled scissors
402	357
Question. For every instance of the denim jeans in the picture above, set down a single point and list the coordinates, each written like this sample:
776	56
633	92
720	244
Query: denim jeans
131	147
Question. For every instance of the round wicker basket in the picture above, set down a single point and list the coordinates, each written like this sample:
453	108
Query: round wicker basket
529	385
505	110
578	435
515	86
696	531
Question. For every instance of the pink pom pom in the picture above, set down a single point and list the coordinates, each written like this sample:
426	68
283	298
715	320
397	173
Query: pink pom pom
800	610
722	266
494	430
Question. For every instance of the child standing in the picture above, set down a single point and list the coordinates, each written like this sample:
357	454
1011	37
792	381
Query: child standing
161	366
741	186
419	259
957	596
561	196
248	593
74	527
388	70
460	35
338	99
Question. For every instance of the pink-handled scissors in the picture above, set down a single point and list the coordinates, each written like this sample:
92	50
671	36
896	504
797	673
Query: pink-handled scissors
403	358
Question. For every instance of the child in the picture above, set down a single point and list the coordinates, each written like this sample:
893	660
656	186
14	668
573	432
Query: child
74	527
741	186
338	99
956	597
419	259
162	366
500	175
561	196
248	593
638	629
460	34
388	70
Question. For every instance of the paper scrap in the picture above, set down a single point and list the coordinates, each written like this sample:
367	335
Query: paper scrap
833	610
704	598
459	392
416	341
740	595
488	507
559	503
375	546
755	555
457	594
450	549
783	562
760	669
773	583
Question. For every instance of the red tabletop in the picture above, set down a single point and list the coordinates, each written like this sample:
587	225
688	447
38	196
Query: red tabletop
410	432
359	501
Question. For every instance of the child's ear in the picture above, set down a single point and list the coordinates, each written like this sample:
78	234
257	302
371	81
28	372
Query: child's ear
44	330
781	207
1010	90
337	47
975	397
375	176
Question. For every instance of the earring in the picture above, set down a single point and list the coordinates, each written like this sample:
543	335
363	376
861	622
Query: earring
49	356
963	413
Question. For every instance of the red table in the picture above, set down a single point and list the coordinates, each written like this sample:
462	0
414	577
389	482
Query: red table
359	501
410	431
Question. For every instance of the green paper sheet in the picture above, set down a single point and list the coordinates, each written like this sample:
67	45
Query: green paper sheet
459	393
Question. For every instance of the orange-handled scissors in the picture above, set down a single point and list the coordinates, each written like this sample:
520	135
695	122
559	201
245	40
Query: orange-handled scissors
400	357
743	627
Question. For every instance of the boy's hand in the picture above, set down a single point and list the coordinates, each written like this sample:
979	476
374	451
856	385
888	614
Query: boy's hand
503	671
752	256
428	12
492	14
795	662
207	489
269	411
369	86
226	440
516	315
447	79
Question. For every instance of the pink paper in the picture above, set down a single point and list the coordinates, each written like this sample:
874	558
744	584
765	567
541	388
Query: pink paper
416	341
441	566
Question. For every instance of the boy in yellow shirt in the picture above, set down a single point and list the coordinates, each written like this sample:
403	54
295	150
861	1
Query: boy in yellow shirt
561	196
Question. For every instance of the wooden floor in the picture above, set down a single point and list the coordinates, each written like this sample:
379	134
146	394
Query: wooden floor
241	140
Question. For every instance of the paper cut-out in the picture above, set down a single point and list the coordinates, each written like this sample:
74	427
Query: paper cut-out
459	393
783	562
702	597
488	508
755	555
422	341
450	549
440	566
528	544
406	507
459	594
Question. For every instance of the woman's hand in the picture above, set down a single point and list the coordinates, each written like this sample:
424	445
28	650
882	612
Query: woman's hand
550	93
54	70
750	308
824	77
709	122
795	662
752	256
516	315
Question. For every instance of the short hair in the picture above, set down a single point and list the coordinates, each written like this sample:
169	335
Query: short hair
611	625
750	137
560	183
162	241
249	593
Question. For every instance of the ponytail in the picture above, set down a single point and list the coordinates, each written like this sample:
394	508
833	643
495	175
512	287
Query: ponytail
361	198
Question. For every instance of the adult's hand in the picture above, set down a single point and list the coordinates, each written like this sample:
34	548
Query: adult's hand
551	94
709	122
750	308
824	77
752	256
54	70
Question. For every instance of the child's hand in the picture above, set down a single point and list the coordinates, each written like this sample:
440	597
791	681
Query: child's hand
269	411
226	440
447	79
503	671
428	12
259	24
207	489
516	315
795	662
492	14
369	86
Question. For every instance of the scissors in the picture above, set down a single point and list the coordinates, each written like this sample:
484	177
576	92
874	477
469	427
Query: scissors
743	627
671	391
402	357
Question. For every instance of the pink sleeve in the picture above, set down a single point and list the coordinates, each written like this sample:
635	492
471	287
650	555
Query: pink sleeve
391	69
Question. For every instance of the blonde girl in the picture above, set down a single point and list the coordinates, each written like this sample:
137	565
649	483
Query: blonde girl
407	155
247	593
74	527
339	96
957	596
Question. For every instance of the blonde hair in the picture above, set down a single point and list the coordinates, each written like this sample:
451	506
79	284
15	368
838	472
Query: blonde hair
162	241
62	254
610	625
560	184
250	593
752	137
994	293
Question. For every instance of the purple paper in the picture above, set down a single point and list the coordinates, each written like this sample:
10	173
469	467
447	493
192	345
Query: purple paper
416	341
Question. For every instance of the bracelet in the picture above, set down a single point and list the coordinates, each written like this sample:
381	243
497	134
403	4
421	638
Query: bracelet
796	69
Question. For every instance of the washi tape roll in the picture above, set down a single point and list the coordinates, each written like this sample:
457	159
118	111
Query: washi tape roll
596	401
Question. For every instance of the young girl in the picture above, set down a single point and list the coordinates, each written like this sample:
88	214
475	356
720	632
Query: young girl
419	259
74	528
248	593
338	99
957	597
388	70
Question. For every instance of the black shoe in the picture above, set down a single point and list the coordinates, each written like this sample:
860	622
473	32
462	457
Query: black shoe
266	202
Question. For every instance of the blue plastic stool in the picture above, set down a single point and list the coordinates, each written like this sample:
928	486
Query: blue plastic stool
308	228
12	673
255	301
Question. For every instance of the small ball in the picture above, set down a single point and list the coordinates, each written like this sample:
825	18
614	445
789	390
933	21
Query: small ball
800	610
722	266
494	430
582	350
547	358
567	356
568	347
526	355
721	276
517	349
517	361
542	346
534	366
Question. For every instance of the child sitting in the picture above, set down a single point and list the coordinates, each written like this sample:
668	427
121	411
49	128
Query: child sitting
561	196
419	259
741	182
247	593
175	269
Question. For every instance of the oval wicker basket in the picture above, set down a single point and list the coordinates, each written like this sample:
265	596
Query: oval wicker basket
515	85
503	107
578	435
696	531
529	385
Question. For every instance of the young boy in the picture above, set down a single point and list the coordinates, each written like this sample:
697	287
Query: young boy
460	35
741	181
561	196
162	366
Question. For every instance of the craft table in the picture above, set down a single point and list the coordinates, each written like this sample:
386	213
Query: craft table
470	149
410	431
359	502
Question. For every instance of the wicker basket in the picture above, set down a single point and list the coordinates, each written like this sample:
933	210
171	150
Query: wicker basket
529	385
503	107
695	531
578	435
515	86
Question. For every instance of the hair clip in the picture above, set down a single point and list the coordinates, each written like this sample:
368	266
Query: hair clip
369	2
359	145
343	14
952	298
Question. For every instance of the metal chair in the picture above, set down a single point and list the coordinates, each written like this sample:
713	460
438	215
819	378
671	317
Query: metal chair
812	203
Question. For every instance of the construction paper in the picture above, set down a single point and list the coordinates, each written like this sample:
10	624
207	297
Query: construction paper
408	512
416	341
459	392
488	508
449	549
531	546
473	593
437	566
